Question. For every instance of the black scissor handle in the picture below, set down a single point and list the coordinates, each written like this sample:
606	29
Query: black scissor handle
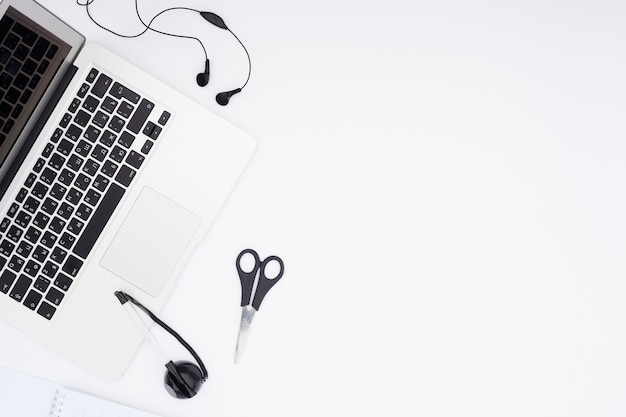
247	278
265	283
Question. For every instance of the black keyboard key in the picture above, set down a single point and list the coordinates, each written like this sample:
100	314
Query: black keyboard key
19	289
165	116
54	296
92	133
91	104
50	269
31	205
11	41
14	233
13	210
63	281
6	280
84	211
48	176
72	265
82	118
118	154
6	248
39	190
91	167
40	49
75	162
100	183
108	138
99	153
23	218
52	51
92	75
21	195
32	268
57	225
56	161
126	140
99	219
58	255
46	311
5	26
33	234
48	239
83	181
135	159
102	85
21	52
109	168
116	124
67	240
5	54
43	66
4	224
92	197
28	36
147	146
41	220
75	226
109	105
24	249
125	176
141	115
13	66
16	263
74	106
100	119
125	109
65	147
42	284
40	253
32	300
58	191
66	177
73	196
49	206
120	91
29	68
65	211
82	91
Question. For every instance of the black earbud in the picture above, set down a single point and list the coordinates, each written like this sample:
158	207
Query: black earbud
183	379
203	77
223	98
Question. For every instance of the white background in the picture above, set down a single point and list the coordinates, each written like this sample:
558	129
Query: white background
445	183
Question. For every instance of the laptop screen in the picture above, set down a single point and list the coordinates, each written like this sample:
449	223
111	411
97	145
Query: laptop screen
30	57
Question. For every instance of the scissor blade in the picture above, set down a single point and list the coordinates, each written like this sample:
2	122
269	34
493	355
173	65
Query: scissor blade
247	314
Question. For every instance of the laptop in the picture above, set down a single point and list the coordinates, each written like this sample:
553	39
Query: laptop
108	180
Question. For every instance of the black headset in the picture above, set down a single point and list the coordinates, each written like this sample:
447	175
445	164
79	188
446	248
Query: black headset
183	379
203	77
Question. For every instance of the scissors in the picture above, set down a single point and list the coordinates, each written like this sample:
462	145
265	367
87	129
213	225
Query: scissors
264	284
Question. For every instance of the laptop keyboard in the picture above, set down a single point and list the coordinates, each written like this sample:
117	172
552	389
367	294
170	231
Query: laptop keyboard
93	156
24	59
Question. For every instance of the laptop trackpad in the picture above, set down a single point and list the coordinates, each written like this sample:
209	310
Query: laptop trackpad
150	242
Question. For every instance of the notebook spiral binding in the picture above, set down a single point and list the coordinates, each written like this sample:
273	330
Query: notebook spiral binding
56	408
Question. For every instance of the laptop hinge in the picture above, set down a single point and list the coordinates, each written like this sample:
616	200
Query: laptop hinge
55	97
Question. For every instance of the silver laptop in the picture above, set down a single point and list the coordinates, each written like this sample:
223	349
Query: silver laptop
108	180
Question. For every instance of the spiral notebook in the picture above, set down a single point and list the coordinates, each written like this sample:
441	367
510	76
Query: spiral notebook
23	395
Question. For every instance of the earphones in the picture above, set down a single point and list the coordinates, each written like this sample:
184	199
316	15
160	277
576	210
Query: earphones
183	379
202	79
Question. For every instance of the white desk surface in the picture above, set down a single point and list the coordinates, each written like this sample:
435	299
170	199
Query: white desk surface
445	182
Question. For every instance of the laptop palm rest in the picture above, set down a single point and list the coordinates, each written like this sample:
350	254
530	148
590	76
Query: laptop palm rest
151	241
